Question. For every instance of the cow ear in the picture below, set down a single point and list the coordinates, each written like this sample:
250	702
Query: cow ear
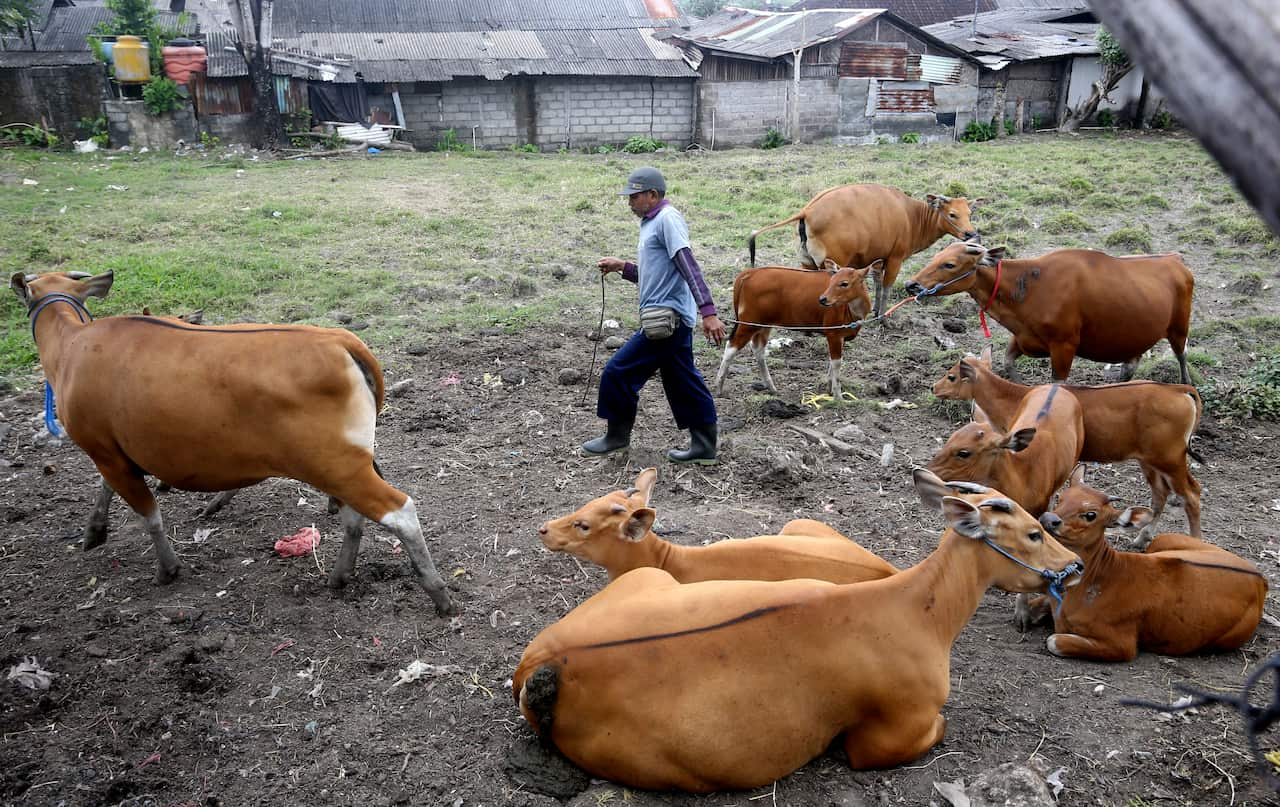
830	266
98	285
966	370
638	525
18	282
1020	439
1077	475
993	256
1134	518
936	201
972	247
980	416
643	485
963	517
929	487
875	266
985	357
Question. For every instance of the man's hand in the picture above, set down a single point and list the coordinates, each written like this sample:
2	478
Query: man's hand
714	329
612	264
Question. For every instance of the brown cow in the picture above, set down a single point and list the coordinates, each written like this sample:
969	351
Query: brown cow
732	684
1181	596
615	531
1071	302
217	408
1139	420
812	302
1029	460
855	225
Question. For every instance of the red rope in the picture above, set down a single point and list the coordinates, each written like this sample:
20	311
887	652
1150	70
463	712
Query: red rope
982	315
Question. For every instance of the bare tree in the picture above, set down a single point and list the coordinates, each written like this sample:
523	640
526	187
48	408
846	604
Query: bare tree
1115	66
252	21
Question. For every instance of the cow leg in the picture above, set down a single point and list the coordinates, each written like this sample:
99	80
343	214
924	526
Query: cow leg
884	746
835	355
405	524
1061	356
1188	487
729	352
1071	645
1011	354
1182	367
1030	611
1159	497
352	531
220	501
120	474
884	278
1127	369
760	349
95	534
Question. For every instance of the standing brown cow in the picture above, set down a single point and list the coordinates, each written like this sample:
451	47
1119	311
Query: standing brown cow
855	225
1071	302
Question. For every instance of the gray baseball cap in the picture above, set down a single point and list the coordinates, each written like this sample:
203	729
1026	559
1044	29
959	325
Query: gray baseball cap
644	179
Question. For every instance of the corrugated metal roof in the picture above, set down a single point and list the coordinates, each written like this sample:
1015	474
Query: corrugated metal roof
294	17
1019	35
869	60
904	99
930	12
934	69
70	27
768	35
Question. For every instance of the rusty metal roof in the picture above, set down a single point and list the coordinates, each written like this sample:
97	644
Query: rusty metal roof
770	34
1019	35
295	17
916	12
69	28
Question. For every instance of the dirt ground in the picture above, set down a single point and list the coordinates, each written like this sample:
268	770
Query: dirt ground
248	682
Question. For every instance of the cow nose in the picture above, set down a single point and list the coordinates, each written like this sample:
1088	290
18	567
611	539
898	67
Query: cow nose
1051	522
974	235
824	302
542	530
914	288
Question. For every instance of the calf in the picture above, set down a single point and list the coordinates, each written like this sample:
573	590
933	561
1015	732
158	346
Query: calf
732	684
1140	420
1071	302
832	303
1030	460
215	409
1181	596
615	531
855	225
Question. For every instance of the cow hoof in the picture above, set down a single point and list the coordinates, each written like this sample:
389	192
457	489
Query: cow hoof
1052	644
444	605
338	579
166	576
93	539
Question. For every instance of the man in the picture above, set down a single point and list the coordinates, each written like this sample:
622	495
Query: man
672	294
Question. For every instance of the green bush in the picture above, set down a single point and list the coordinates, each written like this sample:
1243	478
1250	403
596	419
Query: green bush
910	137
1130	238
772	139
1163	120
977	132
95	129
1256	395
956	188
161	95
527	148
1105	117
449	142
638	144
1010	128
29	135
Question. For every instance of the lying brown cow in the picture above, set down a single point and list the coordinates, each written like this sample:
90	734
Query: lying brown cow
615	531
811	302
1071	302
1029	460
855	225
1181	596
1139	420
731	684
215	409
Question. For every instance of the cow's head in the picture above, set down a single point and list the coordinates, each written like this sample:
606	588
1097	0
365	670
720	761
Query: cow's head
977	451
599	529
958	383
848	287
953	214
1083	514
956	266
979	513
80	285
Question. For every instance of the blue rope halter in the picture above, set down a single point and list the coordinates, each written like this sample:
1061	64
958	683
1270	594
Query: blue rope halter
935	289
38	305
1056	579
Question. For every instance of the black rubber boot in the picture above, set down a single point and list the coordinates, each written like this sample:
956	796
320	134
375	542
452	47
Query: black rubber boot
616	438
702	446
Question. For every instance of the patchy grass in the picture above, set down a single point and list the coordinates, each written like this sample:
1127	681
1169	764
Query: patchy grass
1066	222
1129	239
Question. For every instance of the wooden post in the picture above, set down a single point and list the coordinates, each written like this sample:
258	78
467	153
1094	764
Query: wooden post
1020	120
998	112
795	96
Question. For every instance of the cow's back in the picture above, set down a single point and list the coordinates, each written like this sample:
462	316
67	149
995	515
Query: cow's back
857	224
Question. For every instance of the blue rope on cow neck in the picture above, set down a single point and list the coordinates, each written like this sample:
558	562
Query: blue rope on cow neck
50	406
1056	579
935	289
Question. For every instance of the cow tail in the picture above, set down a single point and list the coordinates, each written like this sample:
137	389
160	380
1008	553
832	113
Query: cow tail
369	367
804	239
751	240
1194	394
538	699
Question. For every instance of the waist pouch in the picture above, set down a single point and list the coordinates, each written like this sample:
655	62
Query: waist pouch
659	323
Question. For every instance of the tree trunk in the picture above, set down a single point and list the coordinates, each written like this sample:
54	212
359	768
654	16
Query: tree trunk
268	125
1140	116
997	114
1111	76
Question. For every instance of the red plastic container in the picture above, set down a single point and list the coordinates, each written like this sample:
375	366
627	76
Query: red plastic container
182	57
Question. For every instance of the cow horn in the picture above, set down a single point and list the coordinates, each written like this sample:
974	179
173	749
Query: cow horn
998	503
29	278
968	487
79	275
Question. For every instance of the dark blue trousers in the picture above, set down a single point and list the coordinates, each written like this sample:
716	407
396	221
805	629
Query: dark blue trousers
636	362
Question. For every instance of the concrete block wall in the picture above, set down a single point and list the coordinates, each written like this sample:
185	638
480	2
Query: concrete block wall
585	112
819	109
568	112
60	95
739	113
129	124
